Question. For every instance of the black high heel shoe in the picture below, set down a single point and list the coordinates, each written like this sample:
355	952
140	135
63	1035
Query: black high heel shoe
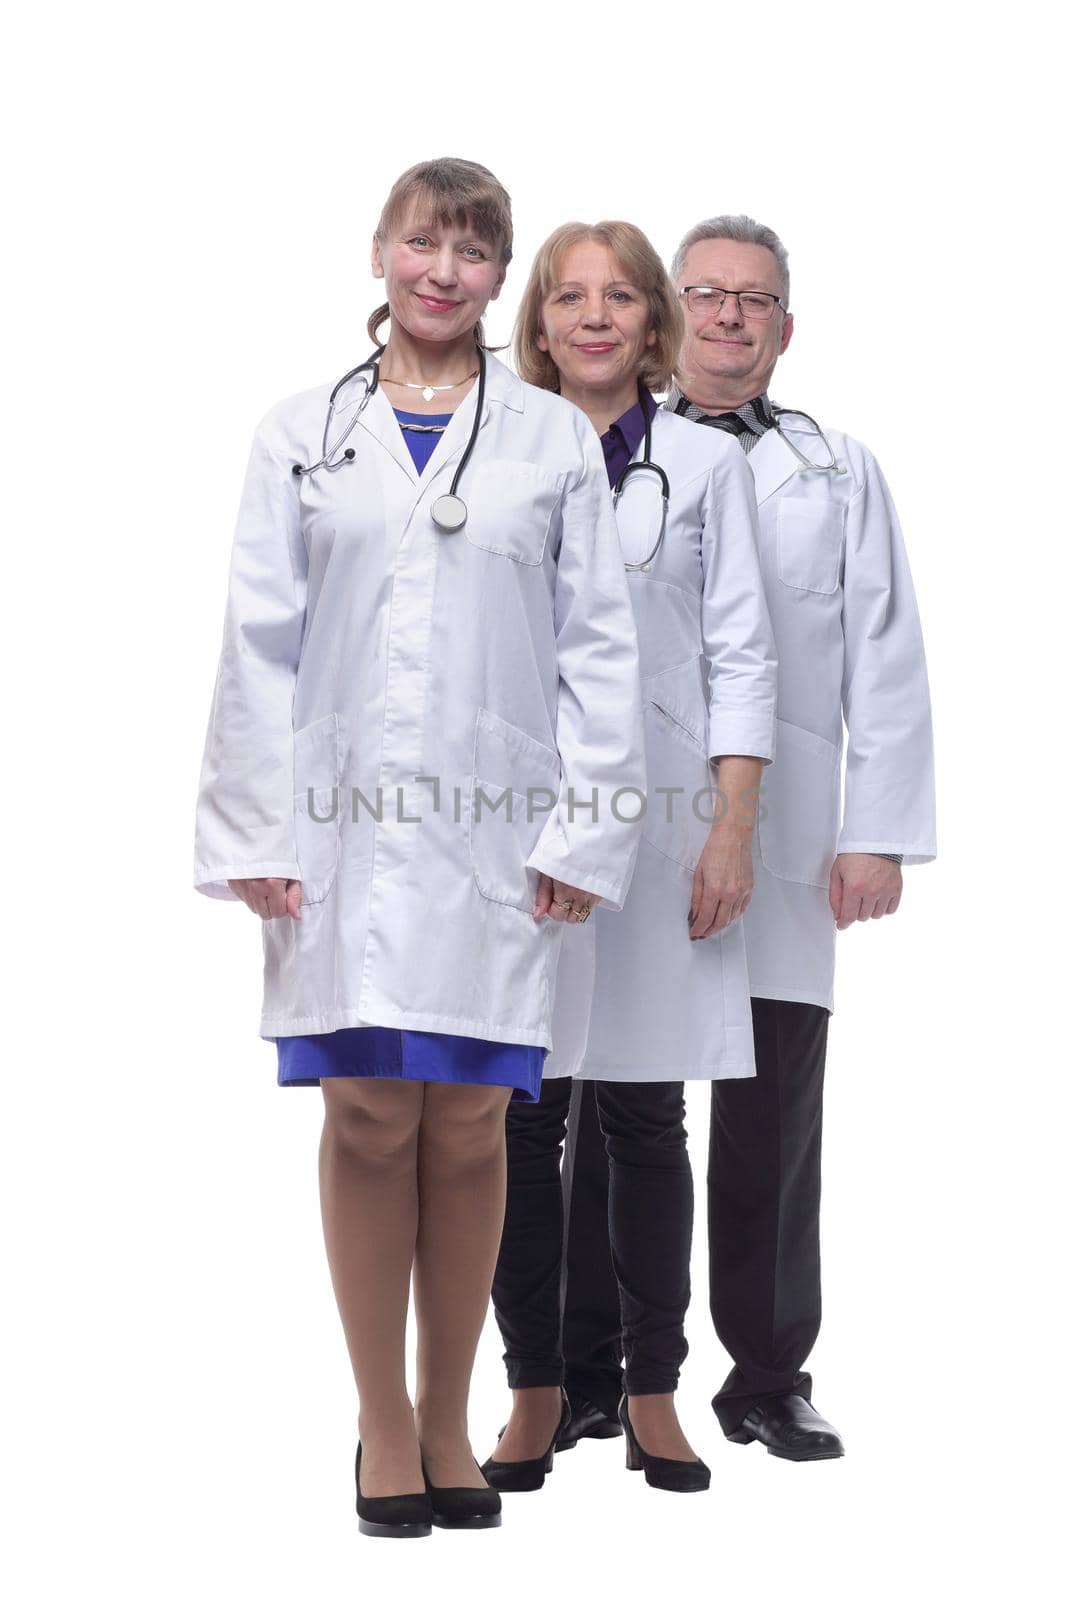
683	1477
462	1508
519	1477
392	1516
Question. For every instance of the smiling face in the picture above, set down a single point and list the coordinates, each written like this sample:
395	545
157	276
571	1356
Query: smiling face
439	278
595	324
727	356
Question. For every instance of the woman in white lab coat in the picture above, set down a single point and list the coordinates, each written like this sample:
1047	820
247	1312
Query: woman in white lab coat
660	994
428	666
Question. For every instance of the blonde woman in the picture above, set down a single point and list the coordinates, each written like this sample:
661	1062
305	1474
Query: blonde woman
660	995
426	613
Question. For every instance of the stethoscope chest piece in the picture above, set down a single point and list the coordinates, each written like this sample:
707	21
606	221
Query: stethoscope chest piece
449	513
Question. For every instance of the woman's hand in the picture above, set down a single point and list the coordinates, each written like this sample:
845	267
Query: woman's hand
269	897
562	902
722	882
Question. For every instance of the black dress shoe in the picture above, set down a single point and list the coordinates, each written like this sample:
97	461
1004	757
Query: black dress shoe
392	1516
587	1421
791	1428
519	1477
463	1508
683	1477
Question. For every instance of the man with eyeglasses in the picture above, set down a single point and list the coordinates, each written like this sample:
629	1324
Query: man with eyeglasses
850	651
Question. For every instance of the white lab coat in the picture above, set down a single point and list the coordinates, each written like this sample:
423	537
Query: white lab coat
413	672
641	1001
849	643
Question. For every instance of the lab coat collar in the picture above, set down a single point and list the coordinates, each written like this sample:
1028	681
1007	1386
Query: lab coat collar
502	387
772	463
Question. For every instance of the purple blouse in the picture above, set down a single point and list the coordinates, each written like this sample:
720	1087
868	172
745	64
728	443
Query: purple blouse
626	434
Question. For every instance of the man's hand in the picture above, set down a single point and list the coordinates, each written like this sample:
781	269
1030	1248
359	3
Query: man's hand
562	902
863	886
269	897
722	882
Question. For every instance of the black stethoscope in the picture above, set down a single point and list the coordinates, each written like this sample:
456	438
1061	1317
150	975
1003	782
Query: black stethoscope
646	464
448	511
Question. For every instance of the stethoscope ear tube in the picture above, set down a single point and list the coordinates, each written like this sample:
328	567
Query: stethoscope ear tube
372	382
832	466
300	472
448	511
328	450
646	464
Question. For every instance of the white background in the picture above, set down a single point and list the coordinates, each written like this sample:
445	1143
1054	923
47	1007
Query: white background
191	197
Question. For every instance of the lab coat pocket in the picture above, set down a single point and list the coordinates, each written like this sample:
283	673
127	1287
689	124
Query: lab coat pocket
511	506
681	784
514	787
811	537
799	812
317	805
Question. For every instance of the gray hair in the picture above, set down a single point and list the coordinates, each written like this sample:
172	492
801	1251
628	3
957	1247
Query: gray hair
742	230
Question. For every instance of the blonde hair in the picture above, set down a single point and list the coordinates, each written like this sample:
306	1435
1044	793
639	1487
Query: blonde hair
453	192
640	265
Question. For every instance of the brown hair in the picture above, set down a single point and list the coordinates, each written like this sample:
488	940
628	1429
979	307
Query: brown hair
641	265
454	192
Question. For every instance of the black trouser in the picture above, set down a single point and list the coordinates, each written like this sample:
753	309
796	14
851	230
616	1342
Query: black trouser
591	1341
763	1215
643	1278
764	1183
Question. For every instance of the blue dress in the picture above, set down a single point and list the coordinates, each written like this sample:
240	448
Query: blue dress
307	1058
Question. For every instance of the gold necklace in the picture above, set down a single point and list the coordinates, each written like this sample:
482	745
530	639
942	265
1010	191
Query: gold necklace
430	391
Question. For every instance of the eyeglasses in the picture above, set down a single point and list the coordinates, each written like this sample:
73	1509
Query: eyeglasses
702	301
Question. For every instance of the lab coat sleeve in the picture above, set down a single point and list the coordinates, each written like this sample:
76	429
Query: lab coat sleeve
738	638
889	774
244	815
599	729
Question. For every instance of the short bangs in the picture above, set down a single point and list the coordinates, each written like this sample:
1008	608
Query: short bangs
451	193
